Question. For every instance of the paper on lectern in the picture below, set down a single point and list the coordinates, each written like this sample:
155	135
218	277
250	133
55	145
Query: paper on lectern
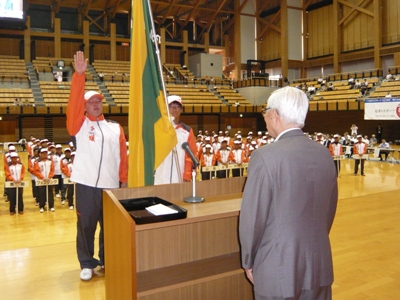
160	209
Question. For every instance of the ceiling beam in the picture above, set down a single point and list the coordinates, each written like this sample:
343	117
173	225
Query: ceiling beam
269	25
211	20
353	9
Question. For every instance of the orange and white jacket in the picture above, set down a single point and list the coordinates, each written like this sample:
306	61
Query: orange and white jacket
360	148
15	172
224	156
239	155
43	169
207	160
335	149
166	172
101	154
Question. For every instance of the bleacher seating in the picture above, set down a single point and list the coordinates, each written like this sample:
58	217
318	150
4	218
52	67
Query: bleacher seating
113	71
393	87
8	97
58	92
232	96
12	70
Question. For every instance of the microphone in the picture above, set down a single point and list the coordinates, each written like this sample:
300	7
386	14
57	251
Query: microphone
185	146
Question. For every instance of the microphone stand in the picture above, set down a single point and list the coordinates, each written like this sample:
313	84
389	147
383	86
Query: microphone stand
193	198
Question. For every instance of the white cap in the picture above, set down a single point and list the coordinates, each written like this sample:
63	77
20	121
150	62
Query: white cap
336	136
11	148
237	142
90	94
67	149
174	98
43	150
58	146
208	146
13	154
359	136
73	153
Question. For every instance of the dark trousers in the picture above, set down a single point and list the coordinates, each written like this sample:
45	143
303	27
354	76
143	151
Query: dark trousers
12	196
58	187
205	175
237	172
35	192
42	196
222	174
89	208
321	293
70	189
383	153
337	167
357	162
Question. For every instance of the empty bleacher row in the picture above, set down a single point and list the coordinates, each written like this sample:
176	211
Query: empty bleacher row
13	71
57	93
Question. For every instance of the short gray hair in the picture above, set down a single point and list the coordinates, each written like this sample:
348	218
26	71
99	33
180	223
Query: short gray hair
291	105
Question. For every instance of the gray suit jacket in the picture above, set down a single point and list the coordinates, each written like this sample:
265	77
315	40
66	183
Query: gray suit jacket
288	207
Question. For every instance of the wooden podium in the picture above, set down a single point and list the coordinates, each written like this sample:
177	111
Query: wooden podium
193	258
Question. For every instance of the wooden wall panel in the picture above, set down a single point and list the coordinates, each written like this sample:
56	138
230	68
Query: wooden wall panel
319	29
69	48
390	21
270	45
45	48
33	126
102	52
123	53
7	131
10	46
358	29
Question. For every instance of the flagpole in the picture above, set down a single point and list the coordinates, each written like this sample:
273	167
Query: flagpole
155	38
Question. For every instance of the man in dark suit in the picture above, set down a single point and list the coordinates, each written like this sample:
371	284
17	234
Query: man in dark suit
288	207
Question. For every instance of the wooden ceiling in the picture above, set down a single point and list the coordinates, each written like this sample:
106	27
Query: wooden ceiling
204	11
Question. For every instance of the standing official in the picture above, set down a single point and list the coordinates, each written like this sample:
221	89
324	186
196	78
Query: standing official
100	163
288	207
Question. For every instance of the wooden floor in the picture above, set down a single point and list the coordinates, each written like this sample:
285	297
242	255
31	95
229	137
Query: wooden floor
38	257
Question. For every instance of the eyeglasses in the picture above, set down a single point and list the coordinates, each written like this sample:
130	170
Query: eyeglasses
265	109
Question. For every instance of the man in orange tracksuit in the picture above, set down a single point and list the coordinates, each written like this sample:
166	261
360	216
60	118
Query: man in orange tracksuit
100	163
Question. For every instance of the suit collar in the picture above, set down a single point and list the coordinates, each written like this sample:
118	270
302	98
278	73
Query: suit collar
289	133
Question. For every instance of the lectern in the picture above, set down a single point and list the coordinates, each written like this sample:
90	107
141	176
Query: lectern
187	259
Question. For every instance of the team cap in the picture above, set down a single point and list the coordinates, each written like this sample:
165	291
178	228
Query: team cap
174	98
90	94
13	154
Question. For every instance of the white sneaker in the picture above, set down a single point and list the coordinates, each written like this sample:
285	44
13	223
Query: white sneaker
63	202
41	210
52	209
58	195
71	207
86	274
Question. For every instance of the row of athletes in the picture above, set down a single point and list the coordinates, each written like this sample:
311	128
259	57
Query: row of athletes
42	165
